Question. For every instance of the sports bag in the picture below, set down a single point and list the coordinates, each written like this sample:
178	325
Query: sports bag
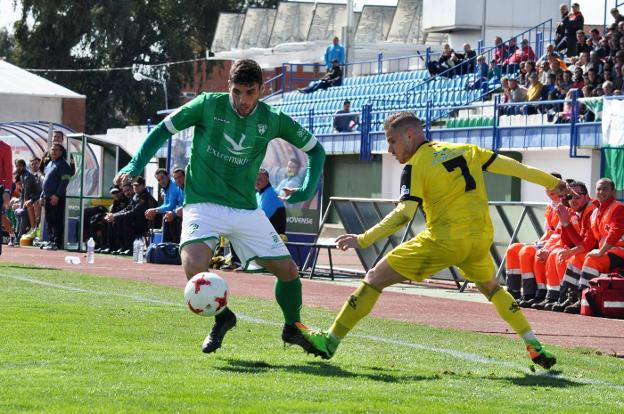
604	297
163	253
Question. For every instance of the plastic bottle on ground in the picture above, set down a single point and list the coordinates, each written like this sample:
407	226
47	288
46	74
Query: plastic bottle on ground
141	252
90	251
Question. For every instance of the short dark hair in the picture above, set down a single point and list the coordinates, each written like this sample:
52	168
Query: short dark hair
556	174
579	184
161	171
35	159
346	101
179	169
20	161
138	180
295	160
246	72
402	119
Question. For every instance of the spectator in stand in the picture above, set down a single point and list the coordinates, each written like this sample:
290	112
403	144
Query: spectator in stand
617	76
332	78
469	55
550	49
529	69
517	93
543	71
581	43
583	61
607	88
179	177
344	122
172	199
595	63
534	94
565	116
560	31
500	55
617	17
30	194
335	51
56	178
571	22
115	237
443	63
594	39
564	83
134	222
483	75
604	244
592	80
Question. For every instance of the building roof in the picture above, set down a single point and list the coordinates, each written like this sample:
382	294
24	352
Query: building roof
17	81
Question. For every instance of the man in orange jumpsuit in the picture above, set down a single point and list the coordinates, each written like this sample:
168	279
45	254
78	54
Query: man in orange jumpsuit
604	243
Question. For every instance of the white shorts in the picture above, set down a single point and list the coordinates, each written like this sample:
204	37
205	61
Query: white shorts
250	231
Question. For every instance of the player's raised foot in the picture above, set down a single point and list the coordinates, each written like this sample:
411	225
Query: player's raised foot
224	321
292	335
322	343
540	355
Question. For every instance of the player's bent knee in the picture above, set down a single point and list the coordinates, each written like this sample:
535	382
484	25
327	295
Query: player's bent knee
488	288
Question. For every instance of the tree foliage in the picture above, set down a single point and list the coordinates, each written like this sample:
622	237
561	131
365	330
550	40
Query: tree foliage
93	34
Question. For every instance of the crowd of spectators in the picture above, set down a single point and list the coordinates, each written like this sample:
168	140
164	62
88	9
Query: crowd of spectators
583	60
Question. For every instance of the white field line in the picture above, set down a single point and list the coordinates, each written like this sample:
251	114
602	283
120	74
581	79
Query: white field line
467	356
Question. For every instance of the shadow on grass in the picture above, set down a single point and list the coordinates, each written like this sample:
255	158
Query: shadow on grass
319	368
549	380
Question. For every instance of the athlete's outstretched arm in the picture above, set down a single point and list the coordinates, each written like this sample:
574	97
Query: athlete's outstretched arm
501	164
397	218
155	140
316	161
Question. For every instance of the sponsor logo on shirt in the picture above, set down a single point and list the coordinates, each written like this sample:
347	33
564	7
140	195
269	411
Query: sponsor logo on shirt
301	132
446	154
237	148
262	128
190	229
225	121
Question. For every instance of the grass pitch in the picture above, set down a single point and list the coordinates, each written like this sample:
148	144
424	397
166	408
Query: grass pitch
74	343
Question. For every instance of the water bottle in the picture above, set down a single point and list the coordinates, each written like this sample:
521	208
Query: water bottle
135	250
141	252
90	251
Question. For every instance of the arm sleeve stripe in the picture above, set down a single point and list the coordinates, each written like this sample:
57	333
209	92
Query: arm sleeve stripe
169	124
488	162
311	144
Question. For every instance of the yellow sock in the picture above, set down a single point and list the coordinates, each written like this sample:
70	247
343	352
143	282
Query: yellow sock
359	304
508	309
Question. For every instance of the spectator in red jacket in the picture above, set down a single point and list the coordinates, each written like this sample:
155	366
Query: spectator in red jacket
6	166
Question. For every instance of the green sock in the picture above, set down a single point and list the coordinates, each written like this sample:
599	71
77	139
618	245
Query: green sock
289	298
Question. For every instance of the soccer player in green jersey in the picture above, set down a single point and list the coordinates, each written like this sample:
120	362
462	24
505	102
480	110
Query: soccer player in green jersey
231	135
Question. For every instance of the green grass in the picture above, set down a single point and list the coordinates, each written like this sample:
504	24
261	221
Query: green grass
106	345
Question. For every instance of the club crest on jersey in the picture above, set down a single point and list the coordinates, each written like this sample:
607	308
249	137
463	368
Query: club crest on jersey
301	132
262	128
404	190
237	148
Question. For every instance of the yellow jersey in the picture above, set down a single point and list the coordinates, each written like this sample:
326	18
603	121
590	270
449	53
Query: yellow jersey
447	180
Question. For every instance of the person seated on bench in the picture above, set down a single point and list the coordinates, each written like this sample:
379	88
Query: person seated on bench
332	78
172	199
606	241
133	216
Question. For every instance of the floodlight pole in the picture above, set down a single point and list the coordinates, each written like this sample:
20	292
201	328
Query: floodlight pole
348	37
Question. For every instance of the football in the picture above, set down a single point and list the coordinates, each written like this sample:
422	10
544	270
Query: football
206	294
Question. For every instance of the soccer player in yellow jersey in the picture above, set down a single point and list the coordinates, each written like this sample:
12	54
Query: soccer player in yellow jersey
447	179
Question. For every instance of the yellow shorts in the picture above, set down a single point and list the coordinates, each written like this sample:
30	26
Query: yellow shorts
422	256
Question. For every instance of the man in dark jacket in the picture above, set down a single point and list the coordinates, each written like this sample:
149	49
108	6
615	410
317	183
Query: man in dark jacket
332	78
57	176
113	232
133	215
566	30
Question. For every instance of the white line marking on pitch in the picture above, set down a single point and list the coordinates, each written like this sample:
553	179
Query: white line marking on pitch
451	352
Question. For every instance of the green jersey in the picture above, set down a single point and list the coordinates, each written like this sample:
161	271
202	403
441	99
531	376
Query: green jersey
227	148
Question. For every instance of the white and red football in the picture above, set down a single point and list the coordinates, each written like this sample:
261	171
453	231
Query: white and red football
206	294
